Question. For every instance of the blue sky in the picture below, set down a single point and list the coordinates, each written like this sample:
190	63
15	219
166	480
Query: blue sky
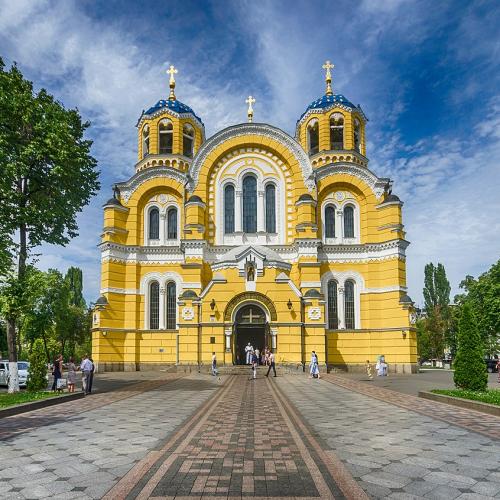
426	74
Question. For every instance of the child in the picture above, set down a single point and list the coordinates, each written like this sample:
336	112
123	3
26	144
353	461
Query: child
214	365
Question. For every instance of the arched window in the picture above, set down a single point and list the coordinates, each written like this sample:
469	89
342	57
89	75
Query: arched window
348	222
187	140
249	204
171	306
229	209
337	131
349	305
154	224
172	224
313	137
330	221
165	137
357	135
271	208
333	318
154	305
145	141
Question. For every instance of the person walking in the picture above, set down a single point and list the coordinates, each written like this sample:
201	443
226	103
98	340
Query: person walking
257	353
254	363
314	366
214	365
71	375
91	377
57	372
271	364
86	368
369	369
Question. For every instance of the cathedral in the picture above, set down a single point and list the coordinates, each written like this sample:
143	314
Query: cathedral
253	236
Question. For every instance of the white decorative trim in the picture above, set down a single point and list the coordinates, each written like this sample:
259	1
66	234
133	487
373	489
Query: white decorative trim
122	291
191	284
376	184
129	187
310	284
114	252
314	313
394	249
259	129
385	289
340	200
187	313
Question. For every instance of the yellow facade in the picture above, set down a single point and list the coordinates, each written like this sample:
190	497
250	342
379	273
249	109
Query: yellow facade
252	235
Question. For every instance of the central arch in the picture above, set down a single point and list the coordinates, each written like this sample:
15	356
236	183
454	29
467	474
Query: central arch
251	329
254	297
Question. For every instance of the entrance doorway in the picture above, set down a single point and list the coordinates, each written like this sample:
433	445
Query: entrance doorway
251	328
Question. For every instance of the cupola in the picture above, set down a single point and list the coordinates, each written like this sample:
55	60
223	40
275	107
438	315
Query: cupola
334	126
169	133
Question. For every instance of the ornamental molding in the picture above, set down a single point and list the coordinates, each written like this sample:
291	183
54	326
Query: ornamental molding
376	184
259	129
170	112
129	187
314	313
122	291
394	249
114	252
386	289
187	313
253	297
162	279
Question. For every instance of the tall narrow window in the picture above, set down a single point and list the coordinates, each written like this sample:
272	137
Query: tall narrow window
171	306
349	305
330	221
349	222
145	141
229	209
337	131
357	135
154	305
172	224
271	208
249	204
165	137
313	137
154	224
187	141
333	318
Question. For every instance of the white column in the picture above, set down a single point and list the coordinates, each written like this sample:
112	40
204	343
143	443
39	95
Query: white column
163	219
340	308
162	307
339	225
261	226
238	212
227	335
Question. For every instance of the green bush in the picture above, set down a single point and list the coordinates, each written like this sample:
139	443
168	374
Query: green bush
38	368
470	370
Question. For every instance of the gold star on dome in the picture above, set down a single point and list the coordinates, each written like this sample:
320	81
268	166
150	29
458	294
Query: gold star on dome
172	71
250	101
328	77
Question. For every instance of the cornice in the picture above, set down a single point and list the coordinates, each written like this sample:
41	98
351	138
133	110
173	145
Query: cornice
259	129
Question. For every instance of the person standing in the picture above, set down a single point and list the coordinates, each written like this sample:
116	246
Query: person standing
57	371
71	375
314	366
86	368
254	363
91	377
257	353
214	365
271	364
369	369
248	353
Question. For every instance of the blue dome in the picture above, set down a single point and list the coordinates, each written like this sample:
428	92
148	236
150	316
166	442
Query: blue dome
174	105
327	101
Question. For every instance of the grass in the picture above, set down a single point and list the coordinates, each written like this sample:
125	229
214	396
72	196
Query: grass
492	396
23	397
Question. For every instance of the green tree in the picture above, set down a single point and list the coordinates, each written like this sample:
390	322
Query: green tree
48	176
423	341
38	367
470	371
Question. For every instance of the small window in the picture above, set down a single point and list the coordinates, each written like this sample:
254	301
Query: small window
333	319
165	137
154	305
172	224
171	306
357	135
349	222
349	305
313	137
229	209
187	140
145	141
271	208
154	224
330	221
250	204
337	131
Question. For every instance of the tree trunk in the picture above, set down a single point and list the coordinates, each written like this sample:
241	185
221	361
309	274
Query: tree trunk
11	342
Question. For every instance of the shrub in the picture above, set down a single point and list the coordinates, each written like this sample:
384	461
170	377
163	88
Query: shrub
470	370
38	368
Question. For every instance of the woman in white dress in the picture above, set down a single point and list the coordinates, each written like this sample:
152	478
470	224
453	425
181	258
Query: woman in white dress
314	366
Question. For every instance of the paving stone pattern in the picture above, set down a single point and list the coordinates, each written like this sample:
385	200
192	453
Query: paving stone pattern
80	451
395	452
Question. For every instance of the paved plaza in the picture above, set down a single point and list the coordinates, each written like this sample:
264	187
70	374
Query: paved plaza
162	435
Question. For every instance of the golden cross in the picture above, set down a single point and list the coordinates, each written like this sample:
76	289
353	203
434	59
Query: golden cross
172	71
328	66
250	101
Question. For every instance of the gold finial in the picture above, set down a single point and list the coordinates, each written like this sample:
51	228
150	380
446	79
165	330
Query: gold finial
250	101
172	71
328	66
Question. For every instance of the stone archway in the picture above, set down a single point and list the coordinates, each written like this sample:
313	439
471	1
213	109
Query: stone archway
255	297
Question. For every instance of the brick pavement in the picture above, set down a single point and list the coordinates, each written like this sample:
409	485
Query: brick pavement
245	442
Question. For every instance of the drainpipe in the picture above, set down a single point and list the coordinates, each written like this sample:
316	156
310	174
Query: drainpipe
302	334
199	336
